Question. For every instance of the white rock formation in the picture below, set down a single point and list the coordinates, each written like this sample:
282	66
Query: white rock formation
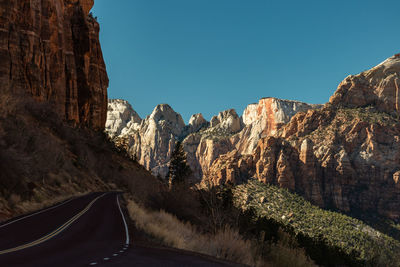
156	138
197	122
120	117
265	118
203	147
152	140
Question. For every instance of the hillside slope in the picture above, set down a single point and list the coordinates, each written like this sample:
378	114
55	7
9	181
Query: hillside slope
315	228
43	158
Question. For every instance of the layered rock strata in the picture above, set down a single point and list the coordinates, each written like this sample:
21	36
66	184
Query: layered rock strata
152	140
50	49
265	118
345	156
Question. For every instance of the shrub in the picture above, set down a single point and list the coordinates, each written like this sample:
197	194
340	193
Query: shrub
226	244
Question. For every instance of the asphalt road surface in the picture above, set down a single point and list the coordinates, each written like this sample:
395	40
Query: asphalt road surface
87	231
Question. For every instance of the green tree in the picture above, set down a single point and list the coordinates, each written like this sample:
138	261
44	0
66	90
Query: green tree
179	170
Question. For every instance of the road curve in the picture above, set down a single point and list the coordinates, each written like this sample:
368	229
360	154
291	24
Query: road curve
87	231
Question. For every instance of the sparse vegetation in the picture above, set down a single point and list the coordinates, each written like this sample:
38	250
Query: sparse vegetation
43	158
178	170
328	237
225	244
214	223
367	114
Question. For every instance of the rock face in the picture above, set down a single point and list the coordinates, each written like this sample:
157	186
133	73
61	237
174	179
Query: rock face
345	156
378	87
197	122
265	118
151	141
121	117
204	146
50	49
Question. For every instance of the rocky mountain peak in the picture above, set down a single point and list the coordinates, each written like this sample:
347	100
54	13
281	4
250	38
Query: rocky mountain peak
197	122
344	155
265	118
152	140
120	117
85	4
164	116
386	68
227	120
378	87
165	112
281	109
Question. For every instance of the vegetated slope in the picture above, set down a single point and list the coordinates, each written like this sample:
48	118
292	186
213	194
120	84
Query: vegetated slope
206	221
43	158
346	240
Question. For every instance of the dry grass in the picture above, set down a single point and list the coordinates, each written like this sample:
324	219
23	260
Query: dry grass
29	206
283	256
227	244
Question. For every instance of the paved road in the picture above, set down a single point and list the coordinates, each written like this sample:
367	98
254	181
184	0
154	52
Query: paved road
86	231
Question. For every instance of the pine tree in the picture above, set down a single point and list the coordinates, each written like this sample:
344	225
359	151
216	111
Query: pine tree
178	171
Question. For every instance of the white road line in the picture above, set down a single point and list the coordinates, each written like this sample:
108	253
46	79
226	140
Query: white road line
93	263
55	232
106	259
36	213
126	226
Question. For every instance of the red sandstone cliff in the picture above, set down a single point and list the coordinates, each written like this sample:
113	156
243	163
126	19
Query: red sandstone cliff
344	156
51	49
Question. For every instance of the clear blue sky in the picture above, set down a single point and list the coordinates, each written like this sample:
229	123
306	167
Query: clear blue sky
204	56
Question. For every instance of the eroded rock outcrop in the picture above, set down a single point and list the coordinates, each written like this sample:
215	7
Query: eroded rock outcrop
379	87
121	118
151	142
204	146
50	49
265	118
345	156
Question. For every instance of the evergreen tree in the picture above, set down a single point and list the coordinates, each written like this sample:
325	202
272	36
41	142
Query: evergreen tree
178	171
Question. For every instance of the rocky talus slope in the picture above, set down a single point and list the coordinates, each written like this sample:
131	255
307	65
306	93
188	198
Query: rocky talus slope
50	49
151	140
345	156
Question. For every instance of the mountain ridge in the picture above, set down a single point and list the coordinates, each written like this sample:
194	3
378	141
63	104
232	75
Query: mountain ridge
202	140
343	156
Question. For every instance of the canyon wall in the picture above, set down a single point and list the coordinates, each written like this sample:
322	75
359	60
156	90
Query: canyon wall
50	49
345	156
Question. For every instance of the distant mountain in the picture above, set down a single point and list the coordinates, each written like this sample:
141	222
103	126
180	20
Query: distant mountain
345	156
152	139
